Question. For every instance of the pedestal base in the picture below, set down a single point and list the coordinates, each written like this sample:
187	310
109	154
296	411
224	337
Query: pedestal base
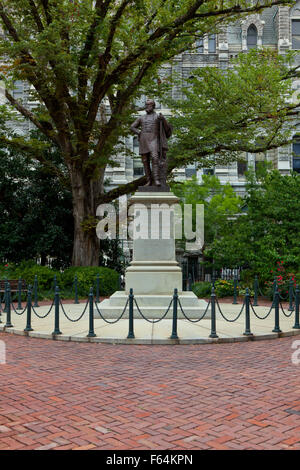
153	306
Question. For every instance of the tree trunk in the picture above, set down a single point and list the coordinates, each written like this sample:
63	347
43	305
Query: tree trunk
85	193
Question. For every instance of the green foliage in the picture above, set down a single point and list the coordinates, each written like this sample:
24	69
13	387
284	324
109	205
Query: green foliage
86	276
220	202
44	275
224	288
269	230
240	109
36	209
78	56
242	292
202	289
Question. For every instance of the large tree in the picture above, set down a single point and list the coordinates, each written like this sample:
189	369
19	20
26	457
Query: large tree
78	56
268	230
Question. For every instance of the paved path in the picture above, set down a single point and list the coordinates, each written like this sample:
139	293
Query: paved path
160	332
68	395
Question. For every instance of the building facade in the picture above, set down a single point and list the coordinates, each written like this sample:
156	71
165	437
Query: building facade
277	28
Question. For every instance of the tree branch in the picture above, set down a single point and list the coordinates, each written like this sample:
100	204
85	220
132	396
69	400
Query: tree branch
46	129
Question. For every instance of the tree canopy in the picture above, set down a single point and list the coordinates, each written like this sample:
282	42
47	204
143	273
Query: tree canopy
86	62
268	231
249	107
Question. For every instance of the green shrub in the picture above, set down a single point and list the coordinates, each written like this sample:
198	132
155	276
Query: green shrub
86	278
224	288
202	289
242	292
44	275
8	271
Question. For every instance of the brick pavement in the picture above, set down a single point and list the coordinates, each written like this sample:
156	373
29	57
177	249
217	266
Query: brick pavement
64	395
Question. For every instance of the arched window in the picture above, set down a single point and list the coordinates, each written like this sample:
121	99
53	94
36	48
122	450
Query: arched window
296	153
252	37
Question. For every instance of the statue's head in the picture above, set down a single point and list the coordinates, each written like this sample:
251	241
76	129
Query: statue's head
150	106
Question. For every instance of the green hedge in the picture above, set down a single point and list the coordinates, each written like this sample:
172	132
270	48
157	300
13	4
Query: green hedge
202	289
86	276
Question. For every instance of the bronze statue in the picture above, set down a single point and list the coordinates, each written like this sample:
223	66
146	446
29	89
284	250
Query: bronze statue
153	144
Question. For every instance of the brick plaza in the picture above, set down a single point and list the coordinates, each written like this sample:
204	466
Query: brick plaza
68	395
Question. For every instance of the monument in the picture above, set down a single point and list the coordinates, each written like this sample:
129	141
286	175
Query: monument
153	273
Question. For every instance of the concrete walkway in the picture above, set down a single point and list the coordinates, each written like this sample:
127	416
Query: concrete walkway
151	333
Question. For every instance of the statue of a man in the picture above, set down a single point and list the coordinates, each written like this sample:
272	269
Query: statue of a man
153	135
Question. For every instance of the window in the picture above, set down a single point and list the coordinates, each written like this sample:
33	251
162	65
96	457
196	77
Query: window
212	43
252	37
295	34
189	172
296	154
199	46
138	167
136	145
208	171
242	167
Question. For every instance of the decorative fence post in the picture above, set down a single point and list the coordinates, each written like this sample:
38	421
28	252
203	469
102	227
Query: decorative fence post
213	333
8	308
131	297
247	316
277	327
297	324
54	283
76	289
291	285
28	318
35	286
274	288
56	313
97	288
234	290
91	333
5	295
174	322
255	304
19	295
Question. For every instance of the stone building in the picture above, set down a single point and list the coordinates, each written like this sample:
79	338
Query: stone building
277	28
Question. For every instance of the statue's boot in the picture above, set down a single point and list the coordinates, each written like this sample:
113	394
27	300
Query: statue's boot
155	172
147	169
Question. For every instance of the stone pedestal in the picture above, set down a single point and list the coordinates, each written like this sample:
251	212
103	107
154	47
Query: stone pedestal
154	272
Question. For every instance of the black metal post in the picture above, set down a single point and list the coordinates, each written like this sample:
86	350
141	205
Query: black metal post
234	291
97	288
54	283
8	308
28	319
131	297
35	288
255	304
19	295
213	333
274	288
247	316
277	327
297	324
56	313
5	295
174	322
76	289
91	333
291	285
